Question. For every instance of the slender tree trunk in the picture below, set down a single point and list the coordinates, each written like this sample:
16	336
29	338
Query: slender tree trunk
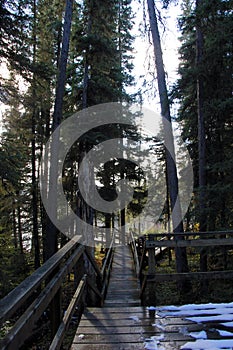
51	230
14	226
201	137
86	69
35	234
19	226
45	117
181	256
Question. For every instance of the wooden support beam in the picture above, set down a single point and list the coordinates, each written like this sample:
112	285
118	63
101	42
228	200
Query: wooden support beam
209	234
190	243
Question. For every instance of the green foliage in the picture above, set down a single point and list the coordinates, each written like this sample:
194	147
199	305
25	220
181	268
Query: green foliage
215	20
100	66
13	265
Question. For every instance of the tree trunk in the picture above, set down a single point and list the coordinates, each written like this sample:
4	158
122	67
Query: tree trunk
35	234
51	231
201	137
19	225
86	69
14	226
181	256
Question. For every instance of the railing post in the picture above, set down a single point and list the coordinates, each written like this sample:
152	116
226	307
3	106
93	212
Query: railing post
89	271
151	261
56	312
151	276
78	271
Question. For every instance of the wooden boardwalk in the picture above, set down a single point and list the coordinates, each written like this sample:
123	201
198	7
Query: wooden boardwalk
124	288
122	324
129	328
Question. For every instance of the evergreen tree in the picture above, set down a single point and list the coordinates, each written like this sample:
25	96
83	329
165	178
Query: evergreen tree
171	170
215	18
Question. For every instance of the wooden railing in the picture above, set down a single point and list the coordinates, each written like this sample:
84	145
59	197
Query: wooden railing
150	247
41	292
134	249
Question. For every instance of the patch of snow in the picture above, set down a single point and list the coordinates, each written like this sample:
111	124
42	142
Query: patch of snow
151	308
134	318
159	326
224	333
183	330
197	306
151	346
227	324
217	318
209	344
199	335
153	343
199	312
194	310
221	313
81	336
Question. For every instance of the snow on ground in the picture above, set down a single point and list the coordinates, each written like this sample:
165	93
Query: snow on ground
209	344
219	314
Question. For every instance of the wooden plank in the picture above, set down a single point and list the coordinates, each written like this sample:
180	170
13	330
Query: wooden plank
16	298
112	310
125	346
123	278
118	338
138	328
190	243
131	322
117	295
108	338
187	234
121	330
121	302
122	346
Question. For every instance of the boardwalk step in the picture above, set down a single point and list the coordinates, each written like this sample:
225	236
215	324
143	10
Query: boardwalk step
129	328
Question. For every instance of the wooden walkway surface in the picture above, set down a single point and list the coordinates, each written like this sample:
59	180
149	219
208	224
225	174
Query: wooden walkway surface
122	324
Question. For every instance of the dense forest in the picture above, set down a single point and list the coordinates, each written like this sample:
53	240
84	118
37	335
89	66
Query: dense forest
65	56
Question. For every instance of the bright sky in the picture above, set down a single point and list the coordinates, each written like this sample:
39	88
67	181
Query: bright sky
144	55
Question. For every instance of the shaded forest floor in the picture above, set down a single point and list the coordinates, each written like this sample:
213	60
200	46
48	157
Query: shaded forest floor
215	291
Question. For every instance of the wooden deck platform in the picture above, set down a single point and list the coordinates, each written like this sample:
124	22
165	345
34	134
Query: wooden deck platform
129	328
124	288
122	324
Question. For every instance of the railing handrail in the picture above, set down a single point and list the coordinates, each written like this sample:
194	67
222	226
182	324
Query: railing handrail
108	255
213	242
17	297
207	240
51	275
187	234
78	295
135	253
